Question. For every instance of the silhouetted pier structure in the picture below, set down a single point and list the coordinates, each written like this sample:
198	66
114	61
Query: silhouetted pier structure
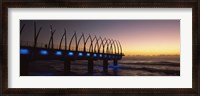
98	49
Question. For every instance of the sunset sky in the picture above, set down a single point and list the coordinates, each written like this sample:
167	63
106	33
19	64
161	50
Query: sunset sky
137	37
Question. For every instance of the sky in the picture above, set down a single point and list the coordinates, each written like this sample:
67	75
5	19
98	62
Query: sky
137	37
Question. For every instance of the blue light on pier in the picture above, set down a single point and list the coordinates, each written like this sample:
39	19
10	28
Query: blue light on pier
70	53
95	55
58	53
88	54
113	56
43	52
100	55
80	54
105	56
24	51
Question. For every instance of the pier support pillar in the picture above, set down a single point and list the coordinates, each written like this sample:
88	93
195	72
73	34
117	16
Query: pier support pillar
67	66
90	66
24	65
115	62
115	70
105	66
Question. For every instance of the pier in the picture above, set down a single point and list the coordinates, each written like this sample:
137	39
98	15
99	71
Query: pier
91	49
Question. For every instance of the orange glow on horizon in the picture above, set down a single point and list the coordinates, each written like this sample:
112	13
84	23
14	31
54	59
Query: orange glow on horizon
162	44
160	49
151	52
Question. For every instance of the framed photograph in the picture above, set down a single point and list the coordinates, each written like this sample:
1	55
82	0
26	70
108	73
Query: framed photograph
100	47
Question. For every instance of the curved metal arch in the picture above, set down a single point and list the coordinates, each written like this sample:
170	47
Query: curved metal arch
120	47
103	44
64	35
102	40
91	45
89	37
51	38
113	44
22	28
117	46
74	35
110	47
82	36
108	44
36	34
99	45
106	41
96	43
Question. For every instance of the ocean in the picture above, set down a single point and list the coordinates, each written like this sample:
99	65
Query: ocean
130	66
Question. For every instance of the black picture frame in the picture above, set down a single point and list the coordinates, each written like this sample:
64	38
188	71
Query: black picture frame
194	4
